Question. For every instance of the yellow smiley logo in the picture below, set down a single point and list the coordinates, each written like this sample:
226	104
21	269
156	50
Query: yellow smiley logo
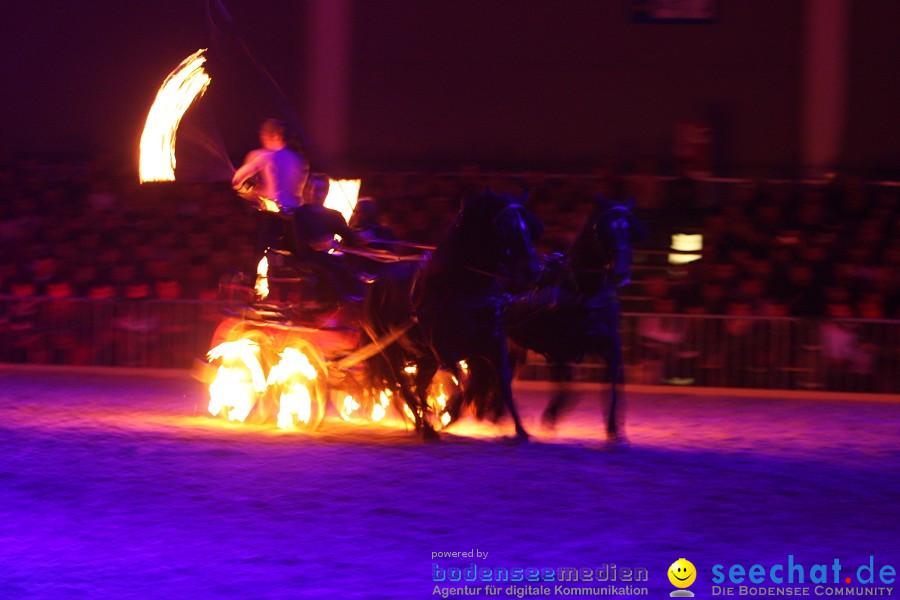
682	573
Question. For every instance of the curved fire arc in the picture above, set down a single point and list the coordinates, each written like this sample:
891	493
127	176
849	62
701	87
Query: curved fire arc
180	89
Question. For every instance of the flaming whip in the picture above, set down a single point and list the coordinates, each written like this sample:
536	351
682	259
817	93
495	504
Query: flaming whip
185	84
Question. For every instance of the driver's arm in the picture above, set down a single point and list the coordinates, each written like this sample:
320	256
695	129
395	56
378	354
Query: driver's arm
253	164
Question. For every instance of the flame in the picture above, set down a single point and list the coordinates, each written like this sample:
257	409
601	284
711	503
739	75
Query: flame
464	366
351	409
342	195
292	361
269	205
379	410
295	405
350	405
295	402
183	85
439	401
262	278
245	351
231	393
238	382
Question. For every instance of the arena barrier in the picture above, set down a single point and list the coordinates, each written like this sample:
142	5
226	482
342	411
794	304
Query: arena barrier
680	350
109	332
751	352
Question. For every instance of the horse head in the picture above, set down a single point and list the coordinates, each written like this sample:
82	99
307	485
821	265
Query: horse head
496	235
602	253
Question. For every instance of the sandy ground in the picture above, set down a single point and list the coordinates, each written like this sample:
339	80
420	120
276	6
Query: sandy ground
119	486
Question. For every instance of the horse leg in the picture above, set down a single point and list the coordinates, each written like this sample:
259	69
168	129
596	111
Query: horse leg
504	377
615	417
560	375
425	371
395	363
455	402
423	426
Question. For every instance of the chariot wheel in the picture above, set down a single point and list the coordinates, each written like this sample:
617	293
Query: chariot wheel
298	386
262	377
351	401
443	396
238	388
357	404
441	405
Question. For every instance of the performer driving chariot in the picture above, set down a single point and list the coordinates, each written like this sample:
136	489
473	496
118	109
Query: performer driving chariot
293	219
272	178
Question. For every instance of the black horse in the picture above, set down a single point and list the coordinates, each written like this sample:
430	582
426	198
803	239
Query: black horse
574	311
450	309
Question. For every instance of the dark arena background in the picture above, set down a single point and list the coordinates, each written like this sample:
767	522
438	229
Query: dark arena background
760	328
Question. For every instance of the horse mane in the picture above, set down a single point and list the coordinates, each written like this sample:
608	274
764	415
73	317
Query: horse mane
470	229
466	260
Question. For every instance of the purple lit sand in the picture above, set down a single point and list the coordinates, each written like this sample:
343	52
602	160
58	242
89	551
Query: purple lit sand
119	486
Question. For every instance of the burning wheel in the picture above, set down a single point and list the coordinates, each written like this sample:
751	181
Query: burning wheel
353	402
443	393
263	374
299	386
441	404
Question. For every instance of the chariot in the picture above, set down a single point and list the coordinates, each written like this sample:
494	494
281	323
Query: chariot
287	354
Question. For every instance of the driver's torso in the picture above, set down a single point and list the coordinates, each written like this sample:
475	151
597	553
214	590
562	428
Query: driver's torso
283	178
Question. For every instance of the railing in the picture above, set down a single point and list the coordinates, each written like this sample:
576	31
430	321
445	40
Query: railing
717	351
120	333
752	352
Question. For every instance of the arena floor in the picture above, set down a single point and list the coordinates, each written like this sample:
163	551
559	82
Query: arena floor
118	485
